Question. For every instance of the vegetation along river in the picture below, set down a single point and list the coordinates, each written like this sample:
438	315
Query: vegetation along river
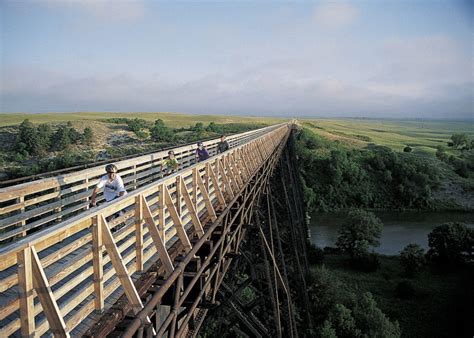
400	228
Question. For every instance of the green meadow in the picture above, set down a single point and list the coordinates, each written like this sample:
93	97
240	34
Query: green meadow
422	136
174	120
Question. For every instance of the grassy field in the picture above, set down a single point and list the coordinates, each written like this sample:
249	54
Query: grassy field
439	308
422	136
171	119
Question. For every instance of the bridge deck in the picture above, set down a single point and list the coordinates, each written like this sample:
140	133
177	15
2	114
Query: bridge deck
53	280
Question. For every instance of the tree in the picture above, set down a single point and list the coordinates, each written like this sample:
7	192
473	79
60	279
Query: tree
343	322
460	140
212	127
412	258
361	230
61	139
88	136
137	124
441	154
450	242
199	127
371	320
160	132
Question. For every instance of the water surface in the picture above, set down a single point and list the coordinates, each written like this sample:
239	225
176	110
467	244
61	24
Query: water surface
400	228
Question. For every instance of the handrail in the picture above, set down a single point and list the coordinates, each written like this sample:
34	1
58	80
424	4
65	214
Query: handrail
47	201
67	266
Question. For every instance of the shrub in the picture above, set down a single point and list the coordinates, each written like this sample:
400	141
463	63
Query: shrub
88	136
407	149
450	243
160	132
315	254
361	230
404	290
412	259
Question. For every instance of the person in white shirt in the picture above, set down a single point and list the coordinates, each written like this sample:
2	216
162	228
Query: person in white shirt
112	184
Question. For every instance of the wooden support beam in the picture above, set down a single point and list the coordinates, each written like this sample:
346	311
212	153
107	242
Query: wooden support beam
245	165
207	201
157	240
230	173
97	252
225	179
192	211
236	168
179	179
194	182
139	232
120	268
217	188
178	223
161	213
25	288
46	297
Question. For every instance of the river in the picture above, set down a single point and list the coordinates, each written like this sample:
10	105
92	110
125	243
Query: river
400	228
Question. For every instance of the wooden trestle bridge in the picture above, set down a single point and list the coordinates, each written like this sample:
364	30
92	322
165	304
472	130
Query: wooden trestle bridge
155	261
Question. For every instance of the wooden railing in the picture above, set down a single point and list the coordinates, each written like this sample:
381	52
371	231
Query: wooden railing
52	280
48	201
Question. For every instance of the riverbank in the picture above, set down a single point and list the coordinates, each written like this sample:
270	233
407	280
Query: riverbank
441	305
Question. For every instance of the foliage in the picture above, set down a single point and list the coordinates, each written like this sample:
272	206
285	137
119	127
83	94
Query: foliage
461	141
404	290
371	178
315	254
412	258
136	125
371	321
160	132
361	230
339	312
450	243
408	149
88	136
28	139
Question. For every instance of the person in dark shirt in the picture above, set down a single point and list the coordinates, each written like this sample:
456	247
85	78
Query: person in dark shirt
201	153
223	145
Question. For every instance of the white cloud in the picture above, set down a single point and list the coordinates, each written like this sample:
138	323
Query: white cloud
334	14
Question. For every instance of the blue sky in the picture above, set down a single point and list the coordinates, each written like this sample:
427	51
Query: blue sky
391	59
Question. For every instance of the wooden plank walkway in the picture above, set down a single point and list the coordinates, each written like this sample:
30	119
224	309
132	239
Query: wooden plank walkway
65	250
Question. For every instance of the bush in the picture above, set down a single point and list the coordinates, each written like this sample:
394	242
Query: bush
136	125
315	254
367	262
88	136
450	243
412	259
404	290
361	230
160	132
407	149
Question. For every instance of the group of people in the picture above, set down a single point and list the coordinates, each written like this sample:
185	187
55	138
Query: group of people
113	183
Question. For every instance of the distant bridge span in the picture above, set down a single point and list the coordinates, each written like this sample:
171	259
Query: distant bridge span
66	270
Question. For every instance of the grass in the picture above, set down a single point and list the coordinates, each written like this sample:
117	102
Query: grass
171	119
422	136
440	308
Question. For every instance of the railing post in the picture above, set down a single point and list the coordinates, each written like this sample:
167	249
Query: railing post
97	252
25	288
178	194
139	232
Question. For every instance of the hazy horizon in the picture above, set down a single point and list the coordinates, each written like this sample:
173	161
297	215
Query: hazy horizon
312	59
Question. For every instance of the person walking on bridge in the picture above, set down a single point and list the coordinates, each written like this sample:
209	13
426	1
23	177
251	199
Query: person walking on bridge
170	165
112	184
201	153
223	145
